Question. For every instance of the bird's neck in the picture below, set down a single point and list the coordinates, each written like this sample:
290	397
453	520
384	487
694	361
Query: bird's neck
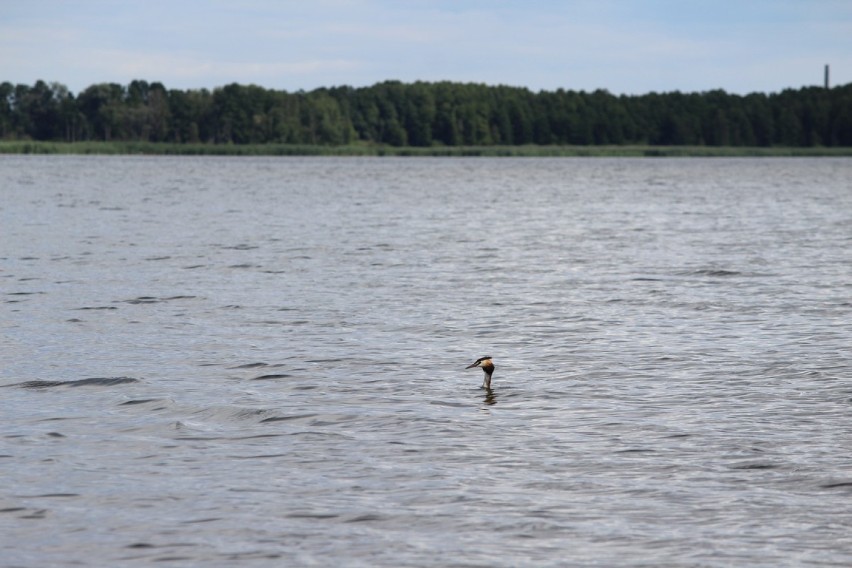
486	383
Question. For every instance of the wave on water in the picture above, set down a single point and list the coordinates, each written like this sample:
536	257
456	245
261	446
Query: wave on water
93	381
156	300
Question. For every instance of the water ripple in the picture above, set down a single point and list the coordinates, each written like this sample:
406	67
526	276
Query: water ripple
671	340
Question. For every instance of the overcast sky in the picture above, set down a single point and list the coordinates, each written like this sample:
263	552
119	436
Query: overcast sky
624	46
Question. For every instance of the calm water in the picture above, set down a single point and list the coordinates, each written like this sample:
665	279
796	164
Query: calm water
261	362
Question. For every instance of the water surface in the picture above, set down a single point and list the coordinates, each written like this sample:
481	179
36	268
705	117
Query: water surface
261	361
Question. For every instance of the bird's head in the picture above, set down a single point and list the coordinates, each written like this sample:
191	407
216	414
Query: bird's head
484	362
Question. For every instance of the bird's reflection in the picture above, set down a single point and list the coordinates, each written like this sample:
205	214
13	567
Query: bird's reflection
490	398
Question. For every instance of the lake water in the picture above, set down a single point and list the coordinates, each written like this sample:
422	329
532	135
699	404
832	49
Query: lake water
261	362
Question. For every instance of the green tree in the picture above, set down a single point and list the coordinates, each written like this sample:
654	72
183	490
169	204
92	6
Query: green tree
760	117
102	107
7	92
323	120
423	114
38	110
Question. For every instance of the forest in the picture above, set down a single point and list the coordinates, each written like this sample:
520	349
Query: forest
424	114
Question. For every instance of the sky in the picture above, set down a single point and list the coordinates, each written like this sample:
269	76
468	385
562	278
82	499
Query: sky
623	46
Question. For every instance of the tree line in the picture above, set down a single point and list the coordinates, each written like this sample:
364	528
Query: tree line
423	114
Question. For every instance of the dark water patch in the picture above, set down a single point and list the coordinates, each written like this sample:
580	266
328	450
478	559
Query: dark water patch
12	509
755	465
319	436
164	545
238	557
240	247
155	258
271	377
259	457
230	414
94	381
250	366
712	273
97	308
50	496
286	418
37	514
334	419
451	404
837	485
140	401
368	517
242	265
155	300
55	435
142	300
318	516
206	520
24	293
258	436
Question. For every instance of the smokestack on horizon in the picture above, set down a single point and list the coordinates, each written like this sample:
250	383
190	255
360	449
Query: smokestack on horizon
826	76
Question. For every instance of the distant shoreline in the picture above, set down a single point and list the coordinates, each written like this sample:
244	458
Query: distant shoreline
371	150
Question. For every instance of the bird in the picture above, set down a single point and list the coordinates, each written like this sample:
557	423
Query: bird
487	366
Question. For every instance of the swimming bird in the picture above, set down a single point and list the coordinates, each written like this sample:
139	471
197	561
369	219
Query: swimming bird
487	366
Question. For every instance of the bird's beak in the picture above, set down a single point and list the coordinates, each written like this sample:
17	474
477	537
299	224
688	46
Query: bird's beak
475	364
